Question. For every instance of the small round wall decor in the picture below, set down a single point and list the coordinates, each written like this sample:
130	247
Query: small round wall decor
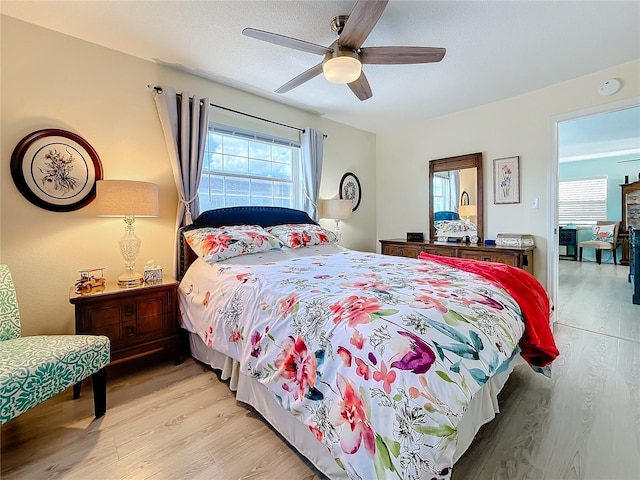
56	170
350	190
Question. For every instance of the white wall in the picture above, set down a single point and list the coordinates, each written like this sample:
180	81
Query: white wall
516	126
50	80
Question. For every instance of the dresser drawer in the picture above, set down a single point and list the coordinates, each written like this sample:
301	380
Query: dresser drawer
101	316
442	252
491	257
410	251
152	305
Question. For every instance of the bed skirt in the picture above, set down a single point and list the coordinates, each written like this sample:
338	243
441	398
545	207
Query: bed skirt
481	410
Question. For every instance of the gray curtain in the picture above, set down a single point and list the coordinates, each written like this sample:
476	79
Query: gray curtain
184	123
312	146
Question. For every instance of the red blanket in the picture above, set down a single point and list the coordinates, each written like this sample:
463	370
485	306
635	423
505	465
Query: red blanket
537	344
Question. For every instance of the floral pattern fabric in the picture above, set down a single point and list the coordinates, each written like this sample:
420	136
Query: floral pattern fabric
216	244
378	357
454	227
302	235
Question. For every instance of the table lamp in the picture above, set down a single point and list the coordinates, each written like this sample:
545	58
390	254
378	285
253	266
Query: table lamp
337	210
128	199
467	211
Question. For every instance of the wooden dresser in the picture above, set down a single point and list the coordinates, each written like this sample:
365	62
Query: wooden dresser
521	257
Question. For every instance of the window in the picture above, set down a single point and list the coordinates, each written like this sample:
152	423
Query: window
245	168
444	192
582	202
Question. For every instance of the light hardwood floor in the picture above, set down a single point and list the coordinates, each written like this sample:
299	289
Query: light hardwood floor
181	422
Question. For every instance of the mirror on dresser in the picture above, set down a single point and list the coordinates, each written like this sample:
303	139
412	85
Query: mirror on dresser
449	180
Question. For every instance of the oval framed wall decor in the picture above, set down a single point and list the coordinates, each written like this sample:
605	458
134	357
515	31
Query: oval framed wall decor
350	190
56	170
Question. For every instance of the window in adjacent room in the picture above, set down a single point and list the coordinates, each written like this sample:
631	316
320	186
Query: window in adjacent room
582	202
248	168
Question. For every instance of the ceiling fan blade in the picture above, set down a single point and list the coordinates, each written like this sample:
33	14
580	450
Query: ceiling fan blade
288	42
300	79
361	87
401	55
362	19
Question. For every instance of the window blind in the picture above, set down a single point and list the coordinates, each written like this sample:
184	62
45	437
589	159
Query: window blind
582	202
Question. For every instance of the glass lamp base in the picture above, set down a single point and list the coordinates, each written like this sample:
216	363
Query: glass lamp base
129	280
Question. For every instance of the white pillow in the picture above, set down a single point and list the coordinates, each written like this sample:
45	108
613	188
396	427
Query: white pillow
603	233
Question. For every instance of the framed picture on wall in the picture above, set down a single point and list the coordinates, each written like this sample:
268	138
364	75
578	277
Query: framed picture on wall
350	190
506	180
56	170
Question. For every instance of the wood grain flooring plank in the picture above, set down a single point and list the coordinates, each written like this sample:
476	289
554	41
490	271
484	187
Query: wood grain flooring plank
597	298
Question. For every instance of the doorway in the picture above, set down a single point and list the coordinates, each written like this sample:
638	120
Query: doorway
592	144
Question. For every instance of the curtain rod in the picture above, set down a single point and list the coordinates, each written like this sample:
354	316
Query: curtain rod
159	90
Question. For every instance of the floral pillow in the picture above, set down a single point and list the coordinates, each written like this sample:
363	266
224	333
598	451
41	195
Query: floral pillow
300	235
603	233
453	226
216	244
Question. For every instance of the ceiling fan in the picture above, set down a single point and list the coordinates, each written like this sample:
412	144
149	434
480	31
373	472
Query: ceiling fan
343	59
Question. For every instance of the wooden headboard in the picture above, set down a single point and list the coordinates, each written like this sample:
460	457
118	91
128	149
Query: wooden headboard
220	217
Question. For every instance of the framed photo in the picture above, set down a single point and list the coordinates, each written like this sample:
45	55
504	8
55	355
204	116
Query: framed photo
350	190
56	170
506	180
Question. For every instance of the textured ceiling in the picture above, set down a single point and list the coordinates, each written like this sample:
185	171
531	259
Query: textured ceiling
495	50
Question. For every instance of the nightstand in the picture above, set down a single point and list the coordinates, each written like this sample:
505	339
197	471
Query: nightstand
138	321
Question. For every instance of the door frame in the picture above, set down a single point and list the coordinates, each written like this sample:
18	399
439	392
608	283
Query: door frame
553	261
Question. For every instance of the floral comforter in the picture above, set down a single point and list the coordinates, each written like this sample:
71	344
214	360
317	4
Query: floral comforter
379	357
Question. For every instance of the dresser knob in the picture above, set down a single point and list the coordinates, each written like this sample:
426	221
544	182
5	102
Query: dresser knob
129	309
129	331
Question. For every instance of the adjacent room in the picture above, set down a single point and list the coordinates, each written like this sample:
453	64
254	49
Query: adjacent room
320	239
599	165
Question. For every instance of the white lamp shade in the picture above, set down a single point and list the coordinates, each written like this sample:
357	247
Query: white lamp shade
343	69
468	210
117	198
336	209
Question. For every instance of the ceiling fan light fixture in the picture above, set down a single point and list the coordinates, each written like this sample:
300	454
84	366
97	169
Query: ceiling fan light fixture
342	68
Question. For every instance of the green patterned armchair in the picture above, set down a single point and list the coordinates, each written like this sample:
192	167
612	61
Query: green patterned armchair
34	369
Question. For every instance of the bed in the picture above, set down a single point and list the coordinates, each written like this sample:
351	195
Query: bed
370	366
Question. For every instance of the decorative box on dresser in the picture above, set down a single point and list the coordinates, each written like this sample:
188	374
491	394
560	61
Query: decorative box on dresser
138	321
520	257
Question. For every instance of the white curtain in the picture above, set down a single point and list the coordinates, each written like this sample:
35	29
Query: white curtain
312	146
185	123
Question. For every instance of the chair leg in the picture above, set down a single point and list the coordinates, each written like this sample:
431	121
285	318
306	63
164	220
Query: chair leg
615	260
76	390
599	256
580	253
99	381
